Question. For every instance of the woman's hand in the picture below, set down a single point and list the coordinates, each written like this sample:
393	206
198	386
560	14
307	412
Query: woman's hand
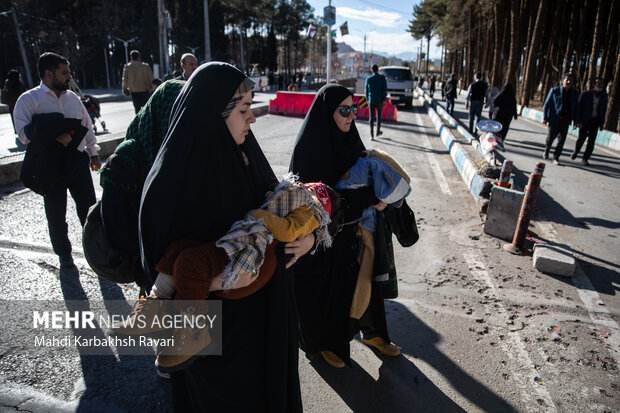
379	206
299	247
245	279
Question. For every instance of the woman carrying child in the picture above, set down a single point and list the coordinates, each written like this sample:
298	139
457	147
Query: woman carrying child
208	174
327	146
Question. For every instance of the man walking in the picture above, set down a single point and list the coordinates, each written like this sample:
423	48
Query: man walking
376	94
450	89
558	113
189	63
39	122
477	96
590	117
137	80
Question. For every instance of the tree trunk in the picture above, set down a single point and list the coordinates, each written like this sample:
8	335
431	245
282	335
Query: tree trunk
610	42
515	44
497	55
532	57
571	40
613	107
596	40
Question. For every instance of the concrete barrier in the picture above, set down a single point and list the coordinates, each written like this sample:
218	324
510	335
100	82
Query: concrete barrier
477	185
503	212
299	103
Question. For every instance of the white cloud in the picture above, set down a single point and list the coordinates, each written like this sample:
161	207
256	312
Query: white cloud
376	17
392	43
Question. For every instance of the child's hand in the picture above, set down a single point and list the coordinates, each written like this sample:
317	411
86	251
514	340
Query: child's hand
379	206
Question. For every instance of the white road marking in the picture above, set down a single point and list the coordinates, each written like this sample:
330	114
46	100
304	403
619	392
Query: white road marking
599	314
432	160
525	375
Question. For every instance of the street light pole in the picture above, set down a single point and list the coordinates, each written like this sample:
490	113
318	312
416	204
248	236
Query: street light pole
329	50
207	36
125	43
21	47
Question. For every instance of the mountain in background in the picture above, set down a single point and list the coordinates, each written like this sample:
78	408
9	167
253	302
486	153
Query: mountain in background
345	48
410	56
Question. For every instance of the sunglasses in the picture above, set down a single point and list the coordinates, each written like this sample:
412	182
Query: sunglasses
345	110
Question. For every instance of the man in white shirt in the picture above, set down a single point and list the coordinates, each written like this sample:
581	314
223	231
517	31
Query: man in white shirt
52	96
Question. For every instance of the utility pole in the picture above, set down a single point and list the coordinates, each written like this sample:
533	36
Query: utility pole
107	71
329	50
21	47
365	68
163	36
207	35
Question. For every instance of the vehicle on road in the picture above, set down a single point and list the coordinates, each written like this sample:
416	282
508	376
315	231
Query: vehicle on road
399	84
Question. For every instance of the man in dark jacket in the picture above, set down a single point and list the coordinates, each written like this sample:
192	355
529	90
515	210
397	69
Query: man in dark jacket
590	117
450	92
558	112
376	93
477	96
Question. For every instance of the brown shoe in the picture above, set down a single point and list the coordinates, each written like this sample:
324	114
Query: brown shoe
140	321
384	348
187	344
332	359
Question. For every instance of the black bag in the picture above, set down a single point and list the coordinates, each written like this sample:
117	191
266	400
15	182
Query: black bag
402	221
103	257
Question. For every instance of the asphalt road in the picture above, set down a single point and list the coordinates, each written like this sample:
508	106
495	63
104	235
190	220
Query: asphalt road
480	330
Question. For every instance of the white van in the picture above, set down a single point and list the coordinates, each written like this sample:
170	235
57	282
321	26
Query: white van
399	84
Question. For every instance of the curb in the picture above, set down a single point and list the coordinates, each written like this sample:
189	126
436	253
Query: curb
477	185
10	166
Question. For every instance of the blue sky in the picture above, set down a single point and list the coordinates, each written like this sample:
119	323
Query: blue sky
384	22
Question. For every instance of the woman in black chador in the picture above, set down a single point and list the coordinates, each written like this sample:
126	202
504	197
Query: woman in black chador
505	108
326	147
209	173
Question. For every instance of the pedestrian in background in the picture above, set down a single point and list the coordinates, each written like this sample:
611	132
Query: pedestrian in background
376	94
492	95
70	160
450	92
189	63
505	104
590	117
477	96
326	281
137	80
432	85
559	111
12	90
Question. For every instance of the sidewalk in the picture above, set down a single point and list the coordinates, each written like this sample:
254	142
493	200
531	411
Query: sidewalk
11	165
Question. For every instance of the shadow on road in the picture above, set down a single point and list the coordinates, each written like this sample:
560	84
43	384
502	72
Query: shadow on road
402	386
112	382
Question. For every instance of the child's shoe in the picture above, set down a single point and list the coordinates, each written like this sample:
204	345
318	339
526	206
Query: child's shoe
188	343
143	313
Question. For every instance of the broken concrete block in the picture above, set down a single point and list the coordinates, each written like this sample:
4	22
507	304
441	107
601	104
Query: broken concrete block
554	259
503	212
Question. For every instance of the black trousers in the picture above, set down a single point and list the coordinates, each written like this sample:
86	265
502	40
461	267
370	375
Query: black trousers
80	185
379	108
139	99
557	130
589	132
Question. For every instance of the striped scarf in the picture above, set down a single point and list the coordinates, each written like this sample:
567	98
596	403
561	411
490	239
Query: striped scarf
247	239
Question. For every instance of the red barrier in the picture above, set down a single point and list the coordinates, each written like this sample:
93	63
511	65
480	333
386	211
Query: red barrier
298	104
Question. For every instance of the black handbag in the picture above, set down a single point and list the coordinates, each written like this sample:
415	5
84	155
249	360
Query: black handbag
402	221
